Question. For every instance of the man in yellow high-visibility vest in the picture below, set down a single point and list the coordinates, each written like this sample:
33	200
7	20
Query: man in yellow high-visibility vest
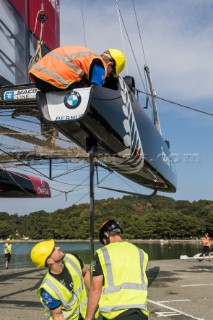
119	283
63	289
7	252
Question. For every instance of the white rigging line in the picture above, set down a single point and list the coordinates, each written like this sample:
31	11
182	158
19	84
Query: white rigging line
141	41
119	19
131	47
82	15
139	33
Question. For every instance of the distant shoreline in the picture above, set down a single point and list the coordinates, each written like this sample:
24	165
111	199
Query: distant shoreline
130	240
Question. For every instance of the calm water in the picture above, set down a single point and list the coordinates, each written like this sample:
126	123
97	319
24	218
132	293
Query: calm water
156	251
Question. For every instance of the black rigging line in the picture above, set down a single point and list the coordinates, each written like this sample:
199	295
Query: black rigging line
176	103
86	194
82	14
69	171
146	93
141	43
131	46
24	163
53	178
40	173
129	192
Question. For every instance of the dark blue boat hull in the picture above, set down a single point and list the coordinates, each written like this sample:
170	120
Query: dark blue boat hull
127	140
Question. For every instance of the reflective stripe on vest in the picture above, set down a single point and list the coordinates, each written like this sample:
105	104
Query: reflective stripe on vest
73	303
63	66
52	74
69	63
111	288
73	265
55	288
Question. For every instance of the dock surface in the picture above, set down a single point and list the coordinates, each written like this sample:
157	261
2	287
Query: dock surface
178	290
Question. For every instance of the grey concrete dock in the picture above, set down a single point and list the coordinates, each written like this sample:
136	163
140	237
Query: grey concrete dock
178	290
181	289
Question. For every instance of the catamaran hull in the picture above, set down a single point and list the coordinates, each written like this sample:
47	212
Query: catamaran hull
18	185
126	139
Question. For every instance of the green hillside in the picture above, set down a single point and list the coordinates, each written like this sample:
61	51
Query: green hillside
156	218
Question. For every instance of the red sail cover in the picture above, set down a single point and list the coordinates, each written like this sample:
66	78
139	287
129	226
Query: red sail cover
28	10
17	185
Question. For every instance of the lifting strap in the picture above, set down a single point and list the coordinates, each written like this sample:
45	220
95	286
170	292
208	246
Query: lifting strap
38	53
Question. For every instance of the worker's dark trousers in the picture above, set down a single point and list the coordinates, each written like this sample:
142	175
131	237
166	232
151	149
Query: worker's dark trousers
46	87
127	315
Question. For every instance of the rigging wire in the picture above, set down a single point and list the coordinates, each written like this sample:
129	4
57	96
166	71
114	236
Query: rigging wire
122	38
139	32
21	188
53	178
78	185
71	190
82	15
86	194
145	86
176	103
141	43
69	171
24	163
131	46
42	174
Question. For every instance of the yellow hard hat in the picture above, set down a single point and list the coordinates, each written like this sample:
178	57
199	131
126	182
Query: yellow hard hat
119	59
8	239
41	251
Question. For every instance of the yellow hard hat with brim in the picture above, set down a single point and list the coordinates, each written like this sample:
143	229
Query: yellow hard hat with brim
41	251
119	59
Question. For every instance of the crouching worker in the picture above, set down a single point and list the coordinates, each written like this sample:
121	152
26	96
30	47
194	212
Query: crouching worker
119	283
62	292
69	67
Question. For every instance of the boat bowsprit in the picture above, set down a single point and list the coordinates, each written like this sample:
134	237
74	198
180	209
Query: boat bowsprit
126	139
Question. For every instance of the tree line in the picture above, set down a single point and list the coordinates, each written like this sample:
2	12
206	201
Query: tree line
156	218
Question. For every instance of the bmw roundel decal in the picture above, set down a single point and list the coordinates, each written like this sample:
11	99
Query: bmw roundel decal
72	100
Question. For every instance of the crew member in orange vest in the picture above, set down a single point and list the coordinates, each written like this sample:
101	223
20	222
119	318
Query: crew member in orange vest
72	67
206	246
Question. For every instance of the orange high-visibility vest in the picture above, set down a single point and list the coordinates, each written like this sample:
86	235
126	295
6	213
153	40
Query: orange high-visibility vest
65	65
206	242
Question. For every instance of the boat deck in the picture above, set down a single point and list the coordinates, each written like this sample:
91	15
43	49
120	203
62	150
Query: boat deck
178	290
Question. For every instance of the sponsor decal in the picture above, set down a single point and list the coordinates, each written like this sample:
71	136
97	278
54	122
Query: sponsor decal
168	160
67	118
132	139
20	94
72	100
43	189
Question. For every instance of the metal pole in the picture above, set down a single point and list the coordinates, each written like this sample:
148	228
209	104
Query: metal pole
153	95
50	168
91	157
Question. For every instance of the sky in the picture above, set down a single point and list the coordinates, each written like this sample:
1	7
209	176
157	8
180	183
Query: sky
176	37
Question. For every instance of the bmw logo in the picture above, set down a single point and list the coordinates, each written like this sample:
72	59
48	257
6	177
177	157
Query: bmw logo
72	100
